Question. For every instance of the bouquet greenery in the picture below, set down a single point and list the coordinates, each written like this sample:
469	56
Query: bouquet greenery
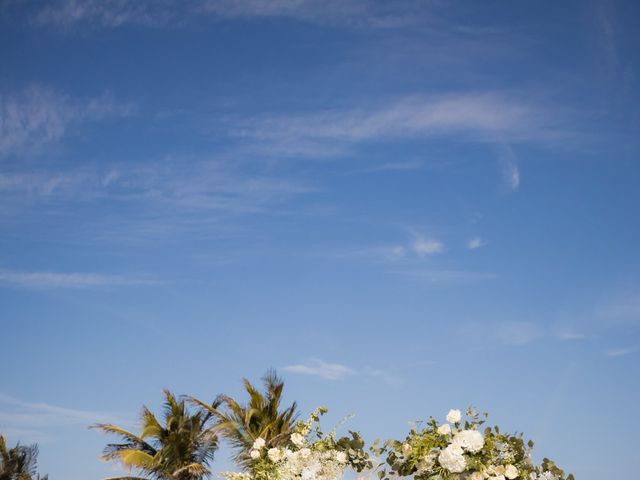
307	455
462	450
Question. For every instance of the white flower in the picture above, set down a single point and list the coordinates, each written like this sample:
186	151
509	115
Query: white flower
511	472
310	472
544	476
476	476
406	449
497	477
452	459
470	440
255	454
444	429
496	470
259	443
341	457
304	452
426	463
274	454
454	416
297	439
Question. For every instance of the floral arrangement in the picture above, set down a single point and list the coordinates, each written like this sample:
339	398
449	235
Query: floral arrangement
458	450
307	455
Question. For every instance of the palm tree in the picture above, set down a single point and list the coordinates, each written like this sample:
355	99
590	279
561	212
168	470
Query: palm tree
19	462
181	449
260	417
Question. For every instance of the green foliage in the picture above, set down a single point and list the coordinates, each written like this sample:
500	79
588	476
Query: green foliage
261	417
495	455
180	448
271	444
19	462
306	449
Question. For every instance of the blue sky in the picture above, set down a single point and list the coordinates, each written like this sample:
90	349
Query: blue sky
403	207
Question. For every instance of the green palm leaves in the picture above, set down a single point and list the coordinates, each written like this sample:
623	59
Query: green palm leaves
179	448
261	417
19	462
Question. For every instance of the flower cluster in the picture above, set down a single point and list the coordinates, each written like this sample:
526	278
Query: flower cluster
307	455
458	450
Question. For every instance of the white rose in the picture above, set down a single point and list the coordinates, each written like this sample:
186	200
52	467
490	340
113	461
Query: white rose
304	452
547	476
308	473
297	439
259	443
255	454
426	463
444	429
274	454
470	440
452	459
454	416
341	457
511	472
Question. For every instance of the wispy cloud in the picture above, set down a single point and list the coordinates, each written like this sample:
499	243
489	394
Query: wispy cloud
47	185
446	276
418	247
411	258
622	309
320	368
393	375
483	117
108	13
621	352
475	242
394	167
116	13
510	170
605	19
69	280
30	421
509	333
571	335
426	246
396	375
517	333
38	115
375	254
167	196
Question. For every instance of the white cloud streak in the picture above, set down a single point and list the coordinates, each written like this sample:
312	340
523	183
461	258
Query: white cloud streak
107	13
427	246
572	336
158	13
483	117
517	333
508	333
30	421
38	115
445	276
165	190
319	368
394	167
475	243
510	169
47	280
621	352
623	309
